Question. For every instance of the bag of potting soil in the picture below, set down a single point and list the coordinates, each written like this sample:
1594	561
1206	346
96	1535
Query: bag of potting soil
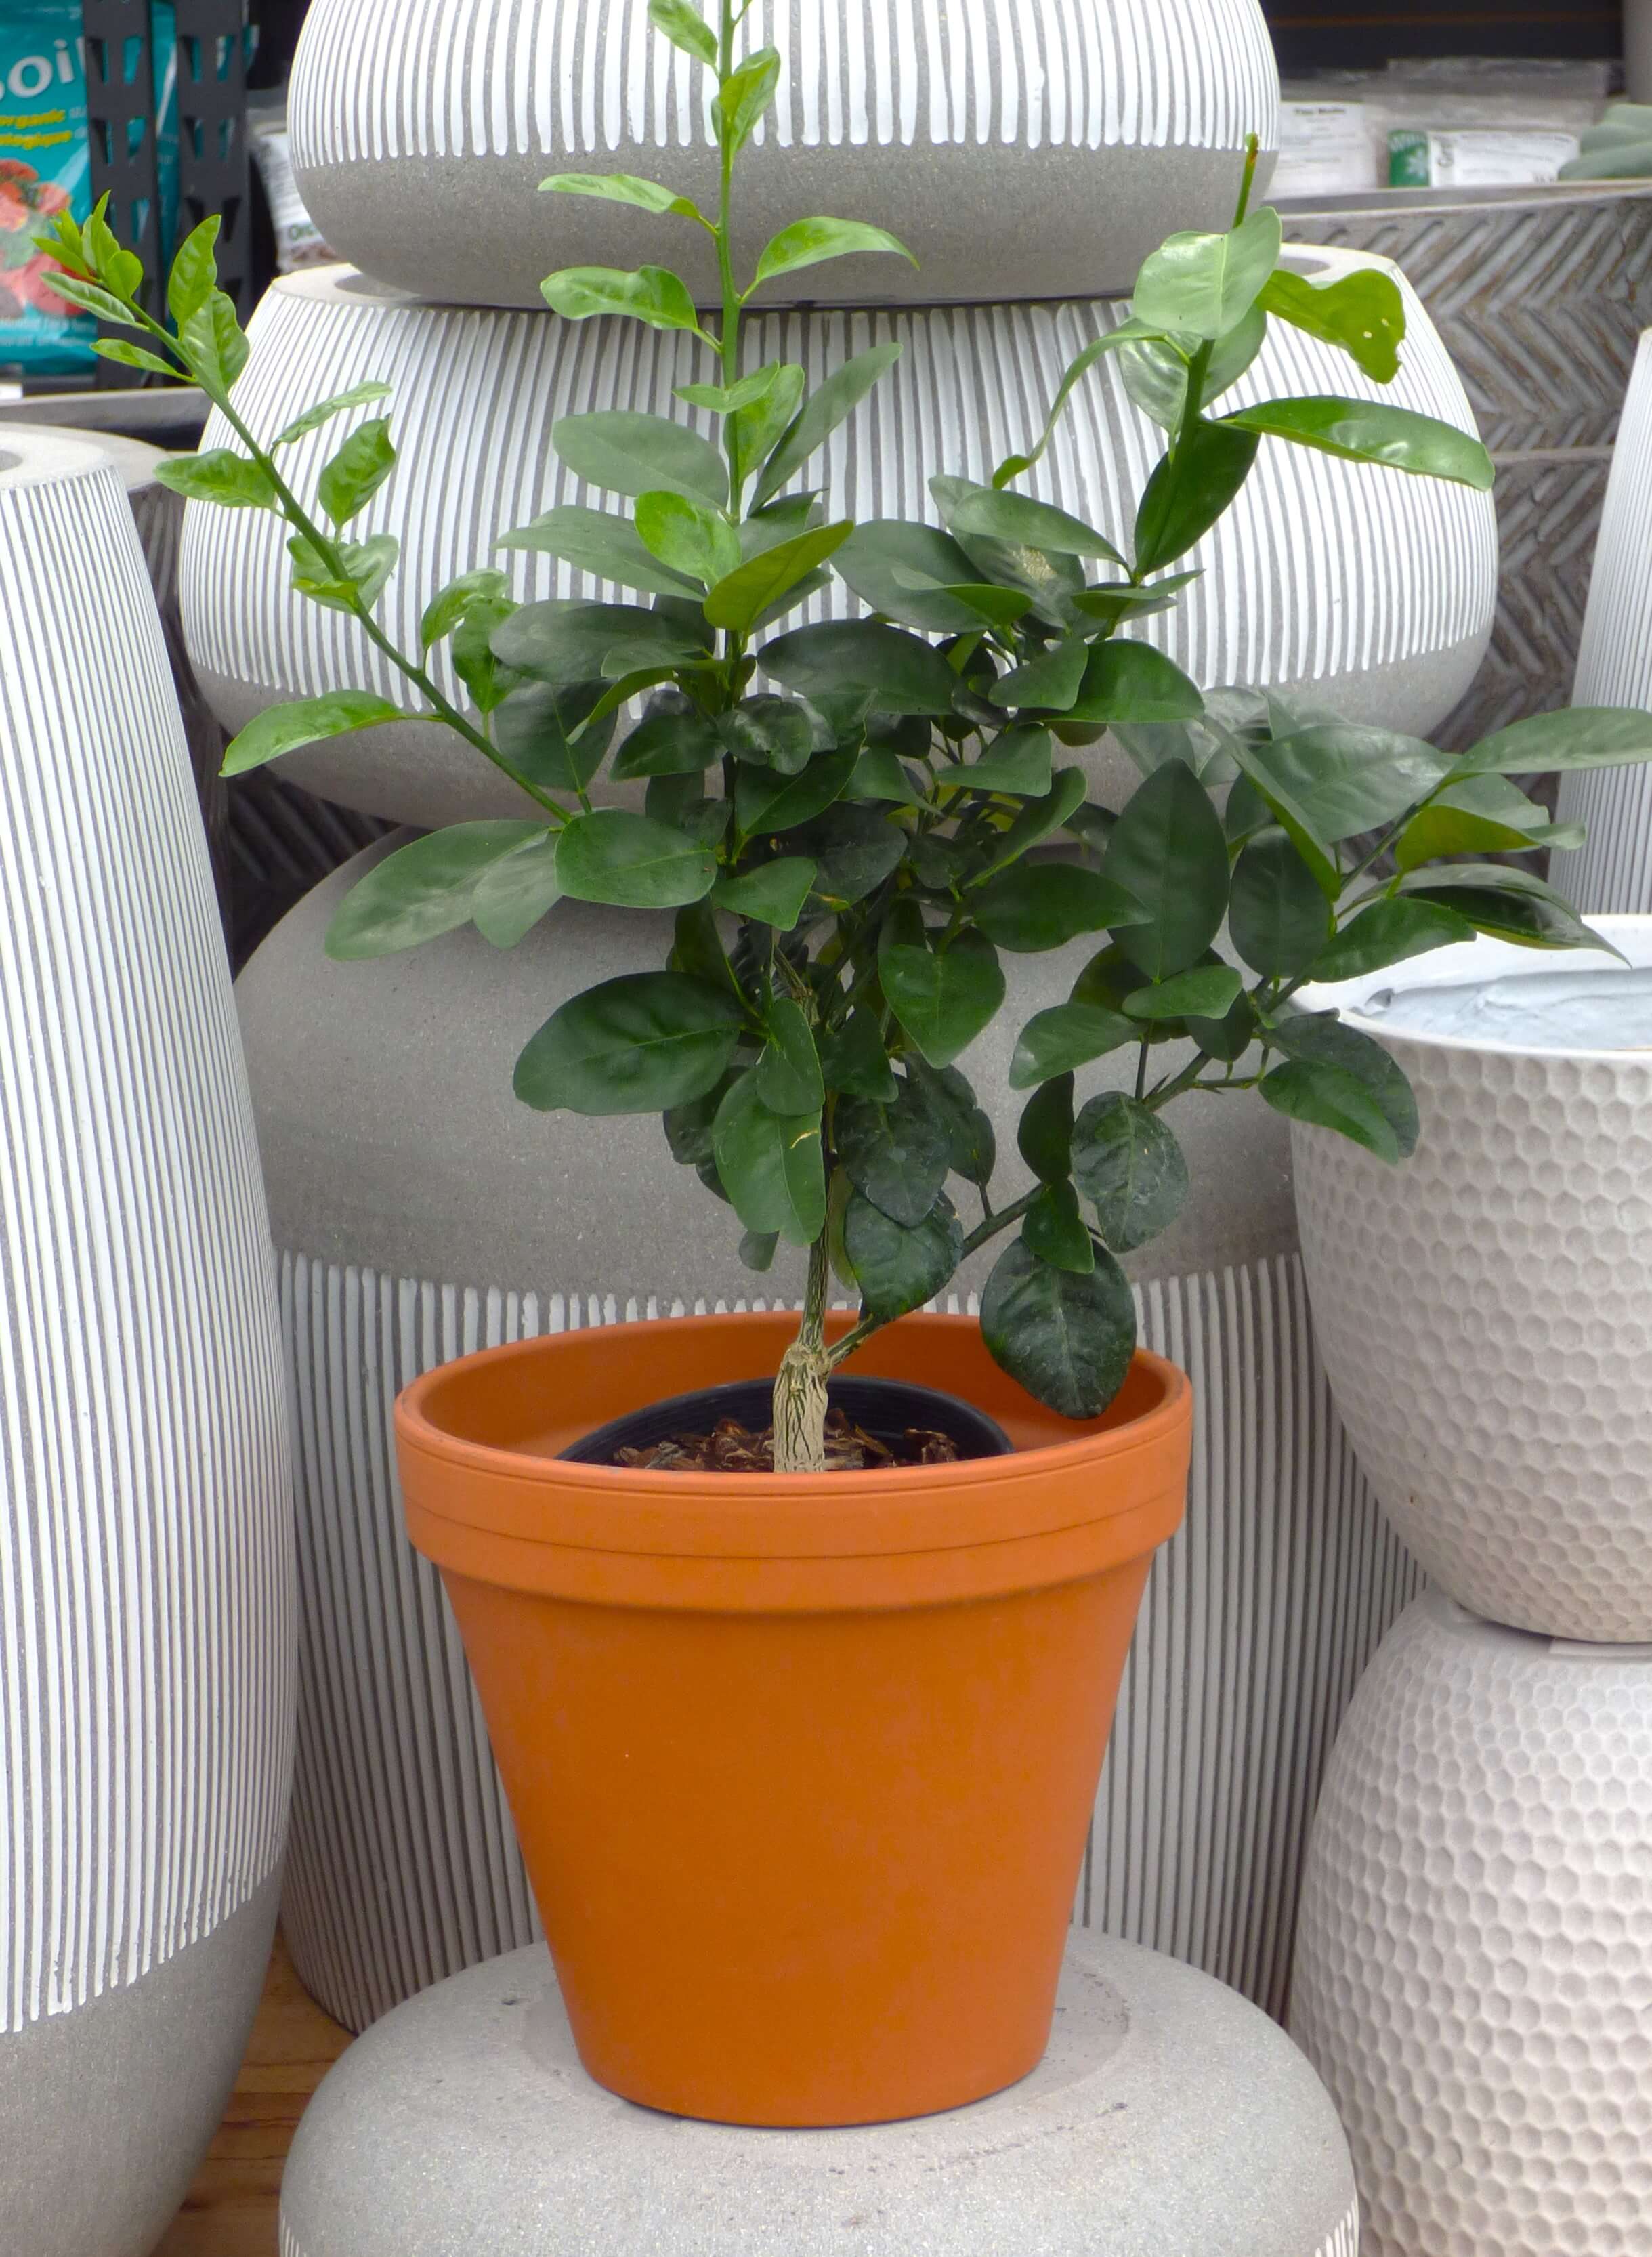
46	167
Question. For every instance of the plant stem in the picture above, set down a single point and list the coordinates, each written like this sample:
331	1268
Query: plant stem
800	1384
728	337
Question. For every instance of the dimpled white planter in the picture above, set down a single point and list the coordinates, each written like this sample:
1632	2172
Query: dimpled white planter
147	1620
1613	869
1484	1310
1020	151
1370	590
1473	1976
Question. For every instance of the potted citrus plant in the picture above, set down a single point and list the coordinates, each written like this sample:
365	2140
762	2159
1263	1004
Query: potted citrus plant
800	1692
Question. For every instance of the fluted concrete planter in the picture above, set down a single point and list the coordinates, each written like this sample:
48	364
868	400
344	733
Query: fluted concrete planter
146	1617
1473	1976
1368	590
1021	151
1613	869
1484	1310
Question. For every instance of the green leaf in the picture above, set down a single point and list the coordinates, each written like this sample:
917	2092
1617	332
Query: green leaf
473	660
358	395
782	733
1129	683
759	423
1510	904
1113	601
1055	1230
1340	779
367	565
1154	371
1385	933
827	406
1279	918
1012	466
758	1249
764	802
770	1164
908	571
1167	853
305	721
1018	759
686	28
541	729
788	1074
1030	908
1038	819
903	675
1322	1039
1480	814
943	999
1023	522
652	295
121	269
807	242
1066	1036
1230	1036
631	861
1048	681
1068	1339
1207	992
1328	1096
853	1062
970	1143
569	642
514	893
93	298
745	392
635	1045
629	453
606	545
899	1268
1206	284
698	544
626	189
1044	1137
672	739
357	472
1362	312
194	272
1130	1168
212	337
880	774
774	894
1192	488
748	590
895	1155
1368	431
131	356
421	891
1579	737
449	605
233	481
742	97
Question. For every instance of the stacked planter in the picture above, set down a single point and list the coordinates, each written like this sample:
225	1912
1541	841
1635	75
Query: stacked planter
146	1617
1473	1975
420	1210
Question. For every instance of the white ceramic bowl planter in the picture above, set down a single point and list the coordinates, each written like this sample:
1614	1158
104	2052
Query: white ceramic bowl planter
146	1622
1473	1975
1613	869
1025	151
1484	1311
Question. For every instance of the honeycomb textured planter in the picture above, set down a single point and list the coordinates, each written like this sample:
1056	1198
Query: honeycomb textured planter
1365	588
1023	151
146	1621
1484	1311
1613	869
1473	1975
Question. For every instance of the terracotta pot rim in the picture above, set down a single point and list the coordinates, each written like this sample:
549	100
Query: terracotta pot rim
1094	1442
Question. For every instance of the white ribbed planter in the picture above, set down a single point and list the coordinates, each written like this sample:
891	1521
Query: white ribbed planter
1473	1975
1372	591
1020	151
424	1212
1484	1310
147	1620
1613	869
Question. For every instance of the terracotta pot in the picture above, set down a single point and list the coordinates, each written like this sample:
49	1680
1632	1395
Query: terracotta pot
802	1764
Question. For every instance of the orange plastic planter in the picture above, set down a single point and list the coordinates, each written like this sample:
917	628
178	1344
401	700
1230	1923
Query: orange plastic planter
802	1765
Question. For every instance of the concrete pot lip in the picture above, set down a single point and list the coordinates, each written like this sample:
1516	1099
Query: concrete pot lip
31	456
1480	959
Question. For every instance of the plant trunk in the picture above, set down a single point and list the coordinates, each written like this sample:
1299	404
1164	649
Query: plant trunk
800	1384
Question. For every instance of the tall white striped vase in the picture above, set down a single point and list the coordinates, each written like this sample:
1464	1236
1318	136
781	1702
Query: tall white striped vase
146	1613
1021	150
1613	869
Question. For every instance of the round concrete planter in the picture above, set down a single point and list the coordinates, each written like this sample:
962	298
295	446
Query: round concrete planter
1473	1976
1484	1310
1020	151
146	1570
422	1212
1368	590
1167	2117
1613	869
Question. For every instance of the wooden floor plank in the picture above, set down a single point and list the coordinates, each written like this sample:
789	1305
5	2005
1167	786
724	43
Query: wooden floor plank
230	2209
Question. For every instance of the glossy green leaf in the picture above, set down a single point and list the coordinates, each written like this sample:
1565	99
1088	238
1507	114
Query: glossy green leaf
1192	488
1055	1230
744	392
629	453
1167	853
358	395
1480	814
758	424
807	242
1131	1169
1039	819
214	341
365	567
1279	918
782	733
1067	1339
423	889
1507	902
449	605
624	188
686	28
636	1044
1322	1038
1025	523
514	893
855	849
774	894
1018	759
652	295
943	998
1362	312
1154	371
895	1155
906	570
565	642
971	1145
672	739
904	674
750	590
1341	778
854	1063
305	721
1204	284
880	775
1044	1137
233	481
131	356
1387	933
1014	466
770	1164
899	1268
1369	431
120	268
357	472
787	1075
764	802
632	862
603	544
92	298
541	729
1130	684
1048	681
742	97
1208	991
1066	1036
194	271
1326	1096
821	414
1032	907
692	540
1578	737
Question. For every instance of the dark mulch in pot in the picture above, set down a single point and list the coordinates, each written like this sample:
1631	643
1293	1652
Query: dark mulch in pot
733	1448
